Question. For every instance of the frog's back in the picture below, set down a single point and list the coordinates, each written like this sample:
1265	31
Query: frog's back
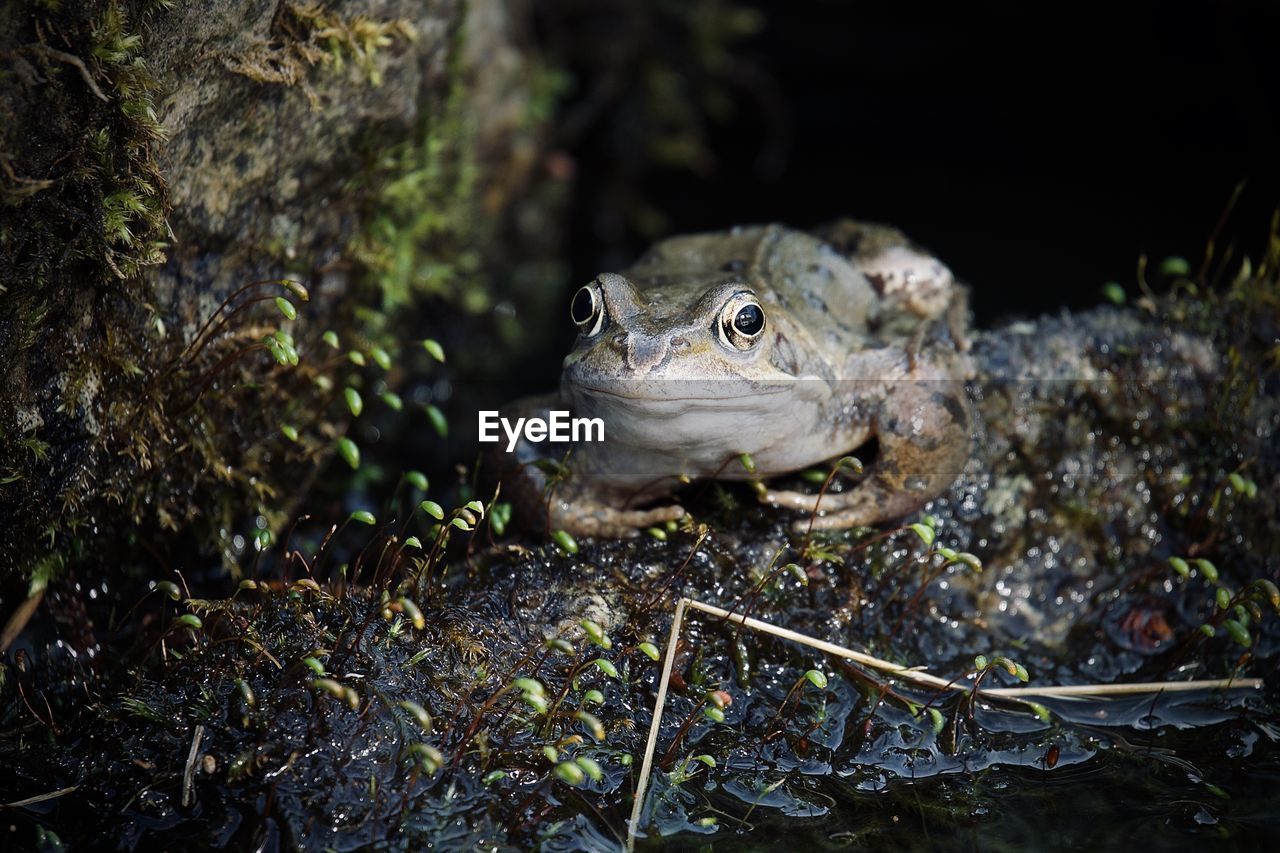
798	275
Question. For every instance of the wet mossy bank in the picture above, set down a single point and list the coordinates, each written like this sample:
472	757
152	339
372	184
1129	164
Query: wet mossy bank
157	159
1120	499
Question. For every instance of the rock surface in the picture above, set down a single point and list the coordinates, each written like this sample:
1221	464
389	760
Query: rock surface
157	157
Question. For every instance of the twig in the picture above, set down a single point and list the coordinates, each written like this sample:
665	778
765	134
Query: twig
40	798
72	59
913	674
642	785
18	620
189	774
1128	688
908	673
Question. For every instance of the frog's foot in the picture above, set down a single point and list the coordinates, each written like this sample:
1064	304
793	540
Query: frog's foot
802	501
861	513
600	520
835	511
867	504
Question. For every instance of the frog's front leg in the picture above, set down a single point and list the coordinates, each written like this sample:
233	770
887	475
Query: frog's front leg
923	431
557	487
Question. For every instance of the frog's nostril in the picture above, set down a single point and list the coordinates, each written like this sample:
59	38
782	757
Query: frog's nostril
620	339
679	344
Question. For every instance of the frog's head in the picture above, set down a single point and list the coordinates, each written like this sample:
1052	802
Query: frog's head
634	342
685	364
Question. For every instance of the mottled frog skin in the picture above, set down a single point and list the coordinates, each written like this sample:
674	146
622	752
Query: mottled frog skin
791	347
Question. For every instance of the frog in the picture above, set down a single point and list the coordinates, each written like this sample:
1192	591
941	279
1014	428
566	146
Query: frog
748	354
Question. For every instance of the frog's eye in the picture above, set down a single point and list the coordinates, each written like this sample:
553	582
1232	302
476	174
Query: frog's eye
741	321
587	310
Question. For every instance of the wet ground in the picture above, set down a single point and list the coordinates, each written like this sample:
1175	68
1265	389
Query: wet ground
498	694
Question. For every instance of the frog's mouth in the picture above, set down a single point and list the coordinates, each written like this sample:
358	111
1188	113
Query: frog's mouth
702	422
699	391
693	413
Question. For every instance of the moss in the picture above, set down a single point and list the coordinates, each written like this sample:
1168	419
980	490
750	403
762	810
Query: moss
1233	302
425	226
84	208
116	436
307	35
107	425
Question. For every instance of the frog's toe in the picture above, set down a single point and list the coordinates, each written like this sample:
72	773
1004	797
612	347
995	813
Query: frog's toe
791	500
624	523
829	512
657	515
630	522
841	519
836	511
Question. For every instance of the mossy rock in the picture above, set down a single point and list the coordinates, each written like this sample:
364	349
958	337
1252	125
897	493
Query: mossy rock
159	157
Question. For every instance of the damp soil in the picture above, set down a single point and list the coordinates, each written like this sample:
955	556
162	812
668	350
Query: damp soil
499	697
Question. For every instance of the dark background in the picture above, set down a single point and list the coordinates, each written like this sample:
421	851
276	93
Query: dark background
1036	148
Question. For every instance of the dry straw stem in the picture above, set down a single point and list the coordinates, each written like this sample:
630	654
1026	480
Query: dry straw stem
18	620
189	774
913	674
41	798
642	786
